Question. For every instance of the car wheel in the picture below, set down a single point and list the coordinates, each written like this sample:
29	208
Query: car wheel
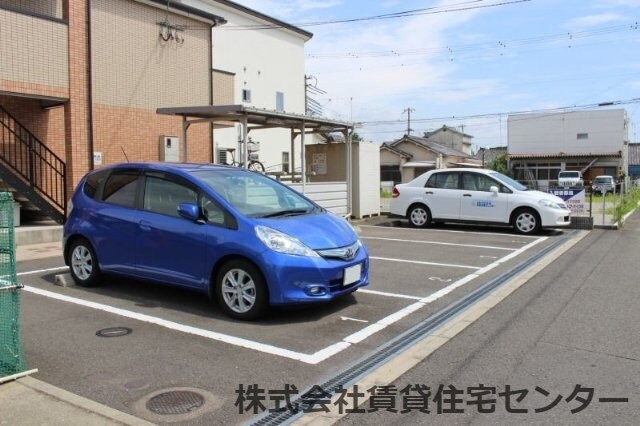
526	222
85	270
419	216
241	290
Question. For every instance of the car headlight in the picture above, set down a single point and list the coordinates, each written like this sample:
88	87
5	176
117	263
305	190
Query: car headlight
283	243
551	204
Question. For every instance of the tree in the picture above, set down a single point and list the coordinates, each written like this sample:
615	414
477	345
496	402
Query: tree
355	137
499	164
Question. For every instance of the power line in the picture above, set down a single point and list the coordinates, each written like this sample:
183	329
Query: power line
458	7
553	111
497	44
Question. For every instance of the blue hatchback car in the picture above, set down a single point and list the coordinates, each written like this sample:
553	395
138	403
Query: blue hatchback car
239	236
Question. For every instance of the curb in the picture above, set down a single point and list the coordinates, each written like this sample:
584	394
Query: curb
82	403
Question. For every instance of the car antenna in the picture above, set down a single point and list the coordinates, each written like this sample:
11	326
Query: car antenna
125	154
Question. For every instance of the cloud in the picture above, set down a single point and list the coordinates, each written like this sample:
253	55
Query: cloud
381	87
594	20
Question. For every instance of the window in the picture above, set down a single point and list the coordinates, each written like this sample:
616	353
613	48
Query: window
93	183
447	180
246	95
164	196
390	173
583	136
279	101
253	194
478	182
285	162
211	211
120	188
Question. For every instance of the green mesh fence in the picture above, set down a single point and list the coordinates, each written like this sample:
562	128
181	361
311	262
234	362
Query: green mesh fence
11	353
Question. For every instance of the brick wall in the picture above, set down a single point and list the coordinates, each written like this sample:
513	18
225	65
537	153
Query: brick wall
33	55
76	111
222	88
46	124
137	132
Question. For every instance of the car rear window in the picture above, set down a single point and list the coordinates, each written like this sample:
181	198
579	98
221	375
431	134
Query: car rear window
93	183
120	189
446	180
569	174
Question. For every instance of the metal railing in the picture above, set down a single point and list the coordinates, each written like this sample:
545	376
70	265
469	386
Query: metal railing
29	158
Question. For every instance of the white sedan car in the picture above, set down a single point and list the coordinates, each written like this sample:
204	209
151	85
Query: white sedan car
477	196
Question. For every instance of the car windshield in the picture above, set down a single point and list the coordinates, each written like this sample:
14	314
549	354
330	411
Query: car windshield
507	180
255	195
569	174
603	180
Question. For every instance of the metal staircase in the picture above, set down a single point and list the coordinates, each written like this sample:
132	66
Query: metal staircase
29	169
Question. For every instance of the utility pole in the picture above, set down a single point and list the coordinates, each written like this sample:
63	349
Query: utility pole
409	111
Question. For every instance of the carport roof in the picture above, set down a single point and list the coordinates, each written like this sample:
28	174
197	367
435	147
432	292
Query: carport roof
256	117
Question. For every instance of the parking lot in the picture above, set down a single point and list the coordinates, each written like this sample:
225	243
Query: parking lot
180	339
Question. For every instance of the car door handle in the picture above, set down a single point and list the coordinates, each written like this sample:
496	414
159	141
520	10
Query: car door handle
429	193
466	195
144	225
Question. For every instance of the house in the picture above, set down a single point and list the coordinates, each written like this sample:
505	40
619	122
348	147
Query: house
81	81
487	155
257	68
410	156
542	145
451	137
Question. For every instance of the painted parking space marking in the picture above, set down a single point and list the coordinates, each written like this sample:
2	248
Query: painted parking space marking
313	358
420	262
441	243
353	319
39	271
384	293
495	234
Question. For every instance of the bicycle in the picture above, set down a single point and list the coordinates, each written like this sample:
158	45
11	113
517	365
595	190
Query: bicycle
254	165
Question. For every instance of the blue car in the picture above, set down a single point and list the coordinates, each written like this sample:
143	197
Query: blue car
238	236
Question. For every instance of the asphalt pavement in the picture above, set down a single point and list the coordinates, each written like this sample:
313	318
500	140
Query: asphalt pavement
572	324
564	347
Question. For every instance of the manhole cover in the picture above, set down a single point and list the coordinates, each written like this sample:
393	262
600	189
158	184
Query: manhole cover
175	402
113	332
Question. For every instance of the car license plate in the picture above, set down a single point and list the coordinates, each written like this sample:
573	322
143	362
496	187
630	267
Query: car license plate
352	274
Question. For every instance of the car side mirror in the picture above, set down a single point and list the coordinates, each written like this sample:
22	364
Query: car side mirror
494	189
189	211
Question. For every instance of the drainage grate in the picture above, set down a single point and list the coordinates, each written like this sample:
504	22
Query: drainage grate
175	402
113	332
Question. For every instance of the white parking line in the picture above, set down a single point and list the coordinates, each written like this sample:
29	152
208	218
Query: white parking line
384	293
440	243
420	262
58	268
313	358
496	234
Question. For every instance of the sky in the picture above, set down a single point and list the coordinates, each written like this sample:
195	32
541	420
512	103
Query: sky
471	59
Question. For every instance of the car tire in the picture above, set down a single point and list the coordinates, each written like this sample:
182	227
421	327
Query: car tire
83	264
419	216
241	278
526	222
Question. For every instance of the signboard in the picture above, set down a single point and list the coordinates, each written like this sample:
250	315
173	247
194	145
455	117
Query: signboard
97	158
319	163
573	197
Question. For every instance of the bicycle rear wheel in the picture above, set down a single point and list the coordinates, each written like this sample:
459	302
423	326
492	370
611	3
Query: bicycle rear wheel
256	166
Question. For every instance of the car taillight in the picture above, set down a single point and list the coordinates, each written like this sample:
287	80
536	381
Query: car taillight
395	193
